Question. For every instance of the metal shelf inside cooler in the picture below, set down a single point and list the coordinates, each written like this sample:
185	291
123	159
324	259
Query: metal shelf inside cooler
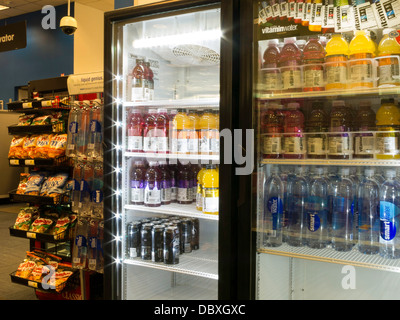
187	103
334	162
353	257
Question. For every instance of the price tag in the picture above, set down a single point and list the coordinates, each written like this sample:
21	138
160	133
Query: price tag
27	105
46	103
32	284
29	162
14	162
31	235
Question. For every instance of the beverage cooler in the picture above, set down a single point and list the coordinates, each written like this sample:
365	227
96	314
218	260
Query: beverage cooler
326	193
169	75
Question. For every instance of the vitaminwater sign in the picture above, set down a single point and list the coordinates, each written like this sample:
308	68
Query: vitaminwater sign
85	83
13	36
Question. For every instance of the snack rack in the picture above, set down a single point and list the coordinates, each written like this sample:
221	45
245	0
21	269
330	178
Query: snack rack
53	97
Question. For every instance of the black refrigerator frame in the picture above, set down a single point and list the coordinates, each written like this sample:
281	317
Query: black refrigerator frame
228	259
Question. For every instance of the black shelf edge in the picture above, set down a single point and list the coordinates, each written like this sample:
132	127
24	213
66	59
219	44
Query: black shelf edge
43	237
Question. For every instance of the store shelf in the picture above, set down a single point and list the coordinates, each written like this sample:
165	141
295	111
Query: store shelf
353	257
15	197
36	129
196	263
334	162
45	237
175	209
36	105
332	94
201	158
187	103
60	161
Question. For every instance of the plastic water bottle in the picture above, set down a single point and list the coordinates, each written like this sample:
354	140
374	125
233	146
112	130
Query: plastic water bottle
317	212
333	181
95	138
79	250
273	208
97	190
297	196
85	203
73	130
389	217
76	191
368	214
342	215
83	132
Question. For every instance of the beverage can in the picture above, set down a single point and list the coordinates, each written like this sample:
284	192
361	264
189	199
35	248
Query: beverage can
171	245
157	244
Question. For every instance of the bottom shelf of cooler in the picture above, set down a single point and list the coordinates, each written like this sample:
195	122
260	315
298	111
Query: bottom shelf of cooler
198	263
352	257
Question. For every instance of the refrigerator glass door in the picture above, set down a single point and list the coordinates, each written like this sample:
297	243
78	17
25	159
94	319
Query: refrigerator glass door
325	100
167	70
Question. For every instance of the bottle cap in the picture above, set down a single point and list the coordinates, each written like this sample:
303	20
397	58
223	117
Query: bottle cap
369	172
162	110
153	111
273	42
338	103
387	31
290	40
319	170
293	105
390	173
345	171
391	100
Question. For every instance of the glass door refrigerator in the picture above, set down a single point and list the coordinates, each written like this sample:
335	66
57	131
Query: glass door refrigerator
169	75
325	197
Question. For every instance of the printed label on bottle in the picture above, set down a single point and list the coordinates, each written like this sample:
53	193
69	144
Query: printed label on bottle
387	217
137	191
361	72
316	213
339	145
275	207
210	199
133	253
336	74
294	145
209	141
165	191
184	191
291	79
199	196
389	74
161	144
364	145
135	143
387	145
272	145
272	80
313	78
137	93
152	193
316	145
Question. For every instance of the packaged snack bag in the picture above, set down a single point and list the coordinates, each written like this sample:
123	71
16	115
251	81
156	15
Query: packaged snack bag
34	183
58	144
25	119
42	120
41	225
62	224
42	146
25	269
29	146
23	178
25	218
16	148
39	272
57	183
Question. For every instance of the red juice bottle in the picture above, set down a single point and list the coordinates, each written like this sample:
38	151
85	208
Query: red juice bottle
149	140
313	59
152	185
161	131
294	139
137	175
138	81
290	63
135	132
340	145
271	74
149	82
272	130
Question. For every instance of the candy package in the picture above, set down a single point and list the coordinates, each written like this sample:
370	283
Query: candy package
23	178
58	144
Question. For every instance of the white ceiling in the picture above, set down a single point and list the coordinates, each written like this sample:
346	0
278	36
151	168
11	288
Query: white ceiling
18	7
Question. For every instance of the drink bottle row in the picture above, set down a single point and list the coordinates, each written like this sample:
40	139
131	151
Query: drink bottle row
335	64
333	207
155	183
342	133
162	239
180	131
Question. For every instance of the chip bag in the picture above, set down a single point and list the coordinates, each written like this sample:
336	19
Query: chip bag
62	225
16	148
42	146
29	146
25	119
23	178
34	183
25	218
41	225
58	144
25	269
42	120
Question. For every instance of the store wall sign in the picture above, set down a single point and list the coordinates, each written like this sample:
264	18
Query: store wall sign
85	83
13	36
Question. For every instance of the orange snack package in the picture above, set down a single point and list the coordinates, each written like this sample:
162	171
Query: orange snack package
16	148
30	146
42	146
58	145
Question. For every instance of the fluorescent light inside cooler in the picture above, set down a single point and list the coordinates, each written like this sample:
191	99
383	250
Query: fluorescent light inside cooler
4	7
178	39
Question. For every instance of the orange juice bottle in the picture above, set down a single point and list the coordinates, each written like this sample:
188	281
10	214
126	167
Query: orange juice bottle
199	193
194	121
209	135
388	126
361	50
180	125
337	50
211	190
388	69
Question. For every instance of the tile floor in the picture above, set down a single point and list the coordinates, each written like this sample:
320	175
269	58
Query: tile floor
12	253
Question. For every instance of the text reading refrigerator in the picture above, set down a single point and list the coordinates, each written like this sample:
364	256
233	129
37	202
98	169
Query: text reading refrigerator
168	79
326	114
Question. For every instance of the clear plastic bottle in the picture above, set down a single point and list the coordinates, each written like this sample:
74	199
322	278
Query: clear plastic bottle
76	191
137	183
152	188
85	203
273	208
73	130
271	77
364	143
297	196
165	183
342	215
97	191
95	138
317	212
149	137
389	217
388	119
294	138
135	132
290	63
368	214
317	124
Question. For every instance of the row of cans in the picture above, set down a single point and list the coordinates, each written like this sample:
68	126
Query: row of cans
162	239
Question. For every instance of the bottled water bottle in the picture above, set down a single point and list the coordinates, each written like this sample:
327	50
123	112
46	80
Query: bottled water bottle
273	207
95	138
297	196
79	250
97	190
389	217
368	214
317	212
83	132
73	130
333	181
342	215
76	192
85	203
